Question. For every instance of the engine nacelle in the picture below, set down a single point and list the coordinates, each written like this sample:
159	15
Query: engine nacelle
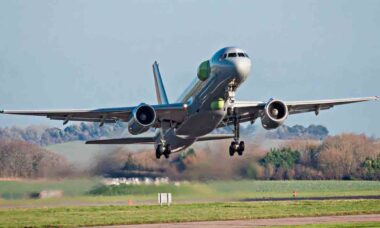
143	117
274	115
204	71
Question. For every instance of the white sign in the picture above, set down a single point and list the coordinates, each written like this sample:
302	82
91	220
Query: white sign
165	198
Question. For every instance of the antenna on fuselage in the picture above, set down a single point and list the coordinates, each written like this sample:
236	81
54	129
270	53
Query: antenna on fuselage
159	85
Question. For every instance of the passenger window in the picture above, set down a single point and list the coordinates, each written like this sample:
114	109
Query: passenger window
241	54
232	55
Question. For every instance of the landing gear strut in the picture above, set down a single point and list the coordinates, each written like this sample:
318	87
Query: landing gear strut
237	146
163	150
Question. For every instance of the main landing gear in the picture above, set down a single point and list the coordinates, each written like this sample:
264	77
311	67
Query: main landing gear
236	146
163	150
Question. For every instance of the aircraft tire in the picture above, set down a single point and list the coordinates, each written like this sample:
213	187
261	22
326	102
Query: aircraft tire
158	154
241	148
232	149
159	151
167	152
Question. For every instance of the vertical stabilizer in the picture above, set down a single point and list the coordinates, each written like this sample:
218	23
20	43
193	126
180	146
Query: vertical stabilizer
160	89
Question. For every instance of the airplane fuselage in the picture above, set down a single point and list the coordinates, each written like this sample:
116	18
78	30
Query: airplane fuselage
205	99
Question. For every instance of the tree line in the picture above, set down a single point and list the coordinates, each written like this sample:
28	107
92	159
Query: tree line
44	136
19	159
341	157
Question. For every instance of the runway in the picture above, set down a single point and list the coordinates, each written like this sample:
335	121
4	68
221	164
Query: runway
262	222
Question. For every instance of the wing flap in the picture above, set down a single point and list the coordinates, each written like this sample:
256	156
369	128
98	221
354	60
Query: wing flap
130	140
215	137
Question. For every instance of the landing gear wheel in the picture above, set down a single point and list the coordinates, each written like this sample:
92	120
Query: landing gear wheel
241	148
167	151
232	148
242	145
160	150
237	147
158	153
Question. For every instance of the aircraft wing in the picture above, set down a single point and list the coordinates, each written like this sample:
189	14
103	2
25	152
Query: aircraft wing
250	111
165	112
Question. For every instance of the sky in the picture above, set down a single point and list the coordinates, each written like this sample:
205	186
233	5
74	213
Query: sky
94	54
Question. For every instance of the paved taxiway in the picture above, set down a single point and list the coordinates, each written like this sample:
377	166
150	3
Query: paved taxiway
262	222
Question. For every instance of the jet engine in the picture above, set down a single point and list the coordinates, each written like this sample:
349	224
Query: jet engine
143	117
274	114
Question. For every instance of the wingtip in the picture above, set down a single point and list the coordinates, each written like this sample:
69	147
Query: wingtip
90	142
1	111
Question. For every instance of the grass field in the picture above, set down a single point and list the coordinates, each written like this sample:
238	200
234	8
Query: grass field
15	193
107	215
13	190
193	201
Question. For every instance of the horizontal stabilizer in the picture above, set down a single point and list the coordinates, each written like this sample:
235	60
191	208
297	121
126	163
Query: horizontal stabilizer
215	137
130	140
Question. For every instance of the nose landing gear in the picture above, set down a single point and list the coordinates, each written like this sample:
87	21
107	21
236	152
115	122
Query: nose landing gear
163	150
236	146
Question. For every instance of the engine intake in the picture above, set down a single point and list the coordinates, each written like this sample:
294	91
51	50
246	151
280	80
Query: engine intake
143	117
274	115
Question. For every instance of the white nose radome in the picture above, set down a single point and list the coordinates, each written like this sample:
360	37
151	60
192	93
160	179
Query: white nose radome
242	67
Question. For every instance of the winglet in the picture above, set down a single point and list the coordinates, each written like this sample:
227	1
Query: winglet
160	89
1	111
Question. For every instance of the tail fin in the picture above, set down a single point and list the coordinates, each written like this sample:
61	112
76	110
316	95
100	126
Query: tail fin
160	89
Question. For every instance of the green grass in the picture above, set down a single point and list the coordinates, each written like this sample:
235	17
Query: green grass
235	190
111	215
259	189
21	189
76	192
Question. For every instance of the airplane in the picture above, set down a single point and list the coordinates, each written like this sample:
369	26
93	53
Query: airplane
207	104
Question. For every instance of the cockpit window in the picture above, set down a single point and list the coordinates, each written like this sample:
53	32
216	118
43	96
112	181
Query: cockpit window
240	54
245	54
224	56
232	55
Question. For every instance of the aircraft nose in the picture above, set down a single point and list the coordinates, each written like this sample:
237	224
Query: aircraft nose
242	67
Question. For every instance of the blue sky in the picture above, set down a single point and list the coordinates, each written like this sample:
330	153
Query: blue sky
92	54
